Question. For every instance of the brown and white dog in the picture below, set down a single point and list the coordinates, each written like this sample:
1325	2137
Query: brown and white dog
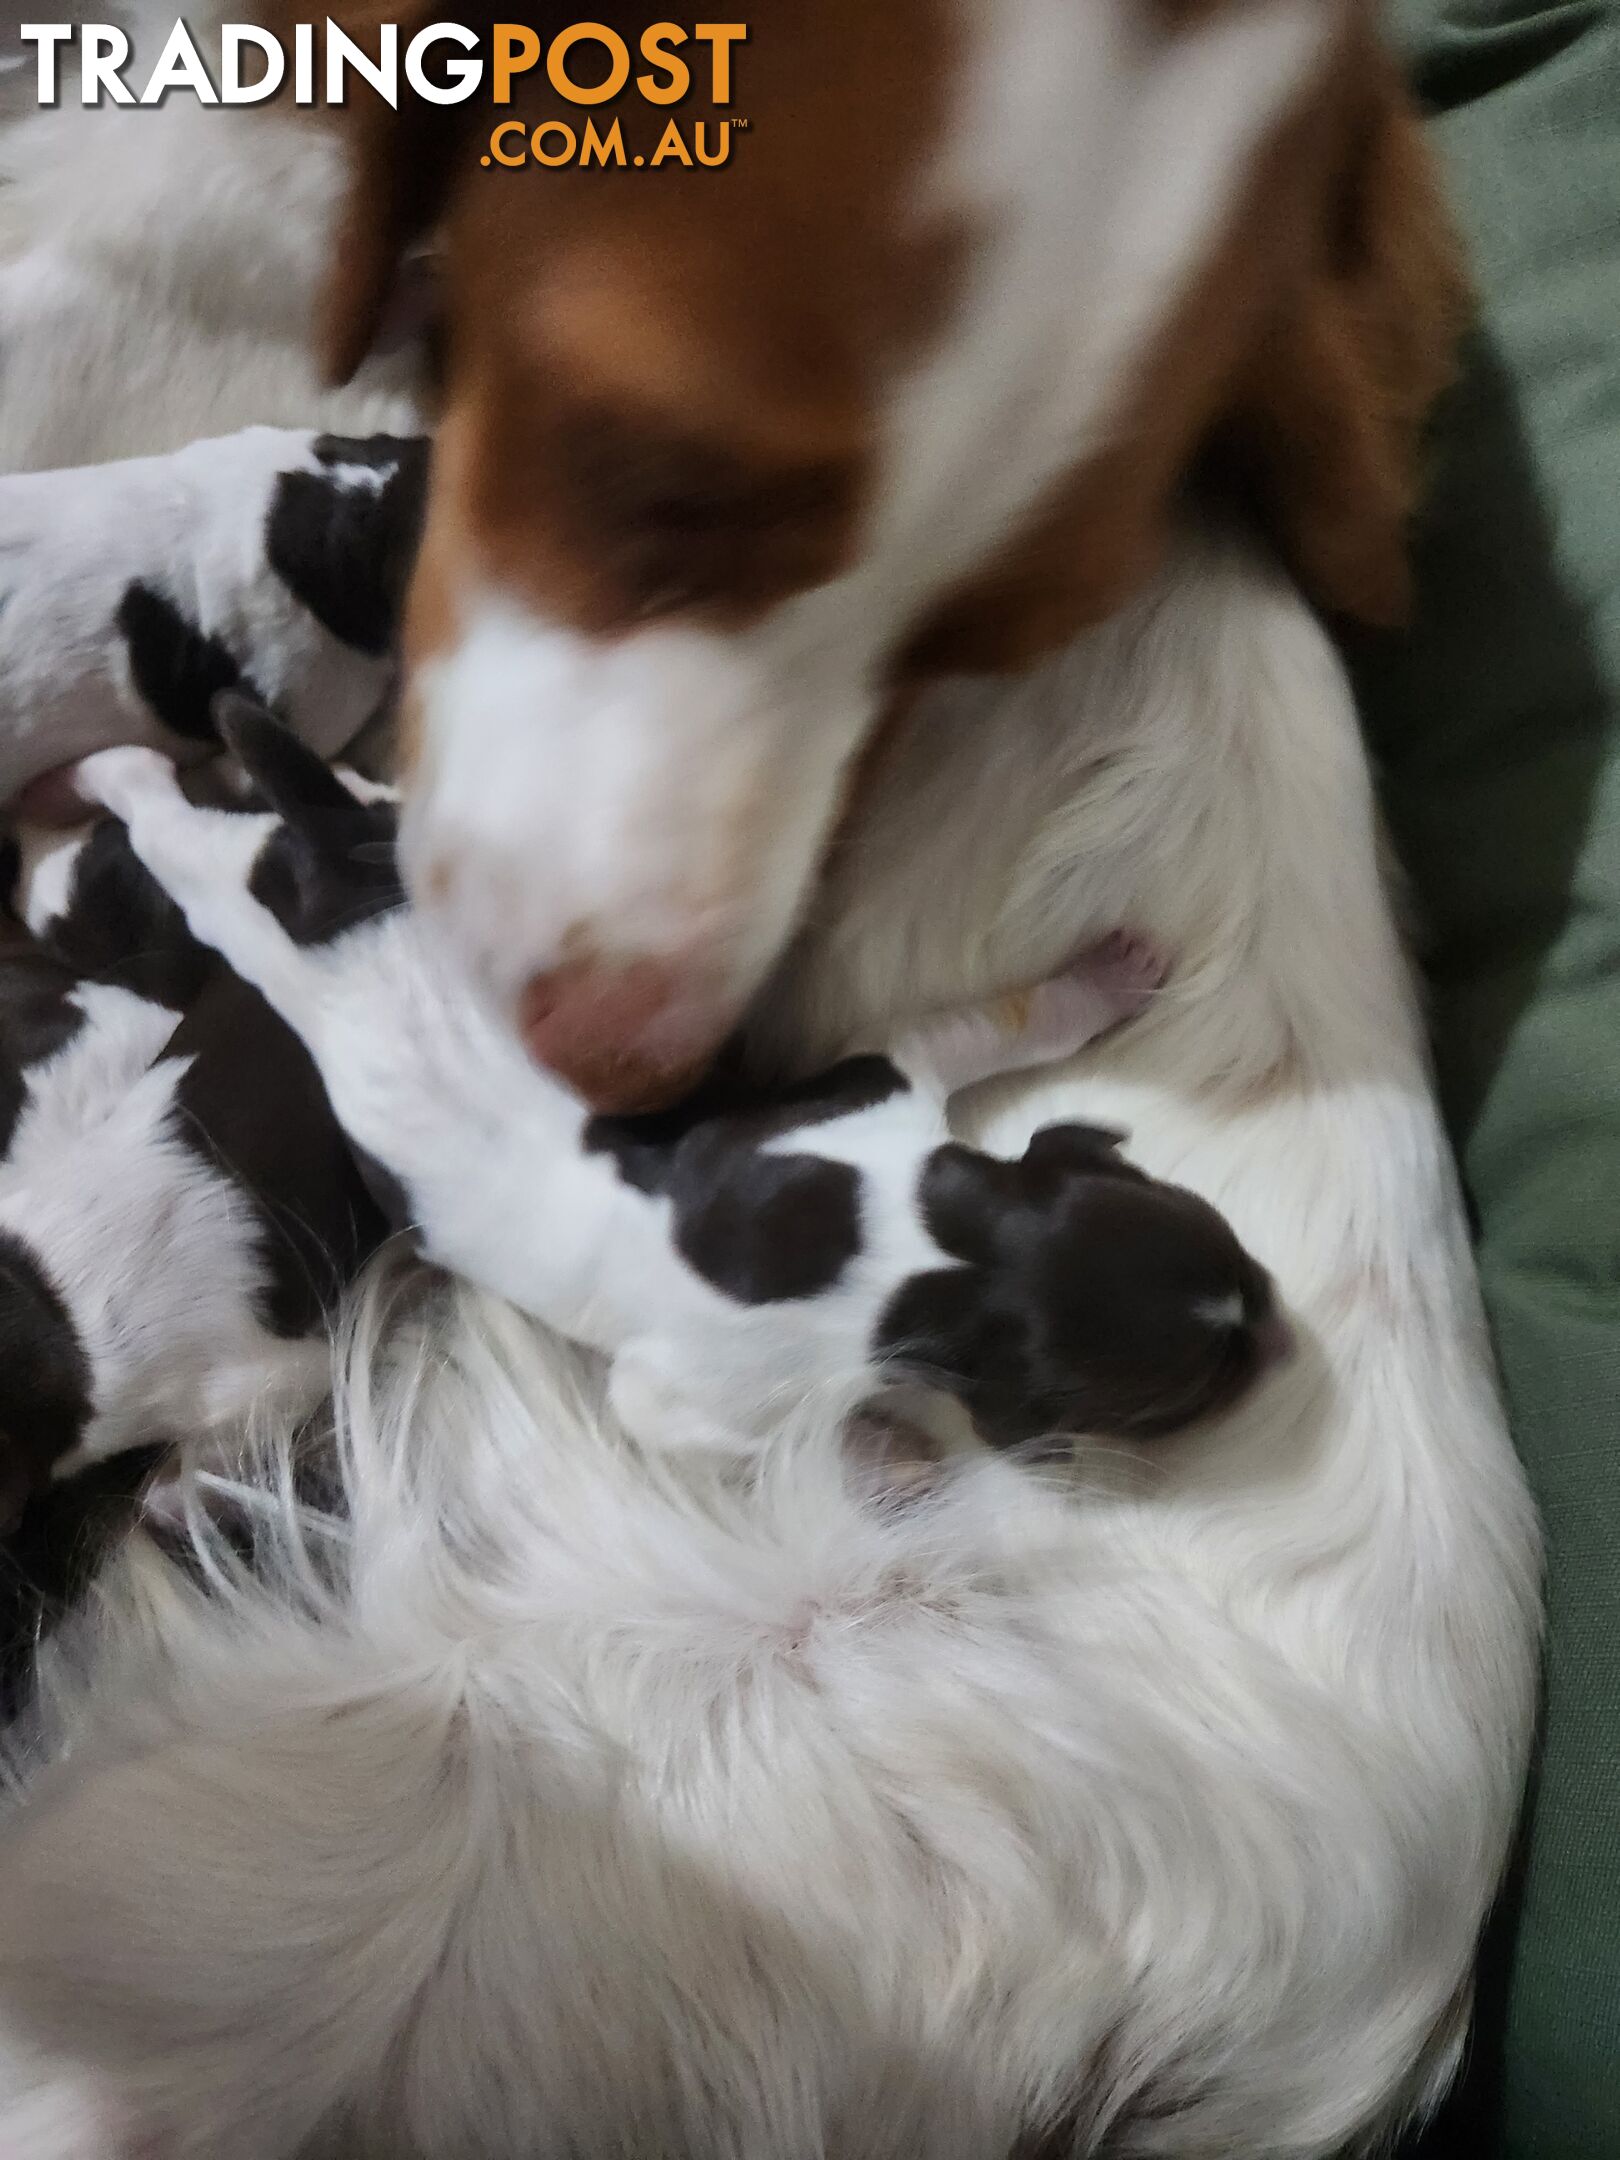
914	385
543	1800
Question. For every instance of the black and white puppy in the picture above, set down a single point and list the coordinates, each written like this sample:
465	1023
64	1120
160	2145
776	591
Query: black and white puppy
273	560
729	1259
178	1208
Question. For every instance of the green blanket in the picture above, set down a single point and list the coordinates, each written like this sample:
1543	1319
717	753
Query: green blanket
1498	730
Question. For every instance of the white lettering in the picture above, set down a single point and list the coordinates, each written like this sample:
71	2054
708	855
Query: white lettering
103	49
464	75
343	53
234	39
47	36
180	67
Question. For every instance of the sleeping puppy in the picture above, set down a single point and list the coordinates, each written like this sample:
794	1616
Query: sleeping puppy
729	1257
132	594
178	1210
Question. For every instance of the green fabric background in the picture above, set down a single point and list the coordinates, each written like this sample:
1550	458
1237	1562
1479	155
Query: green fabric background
1498	731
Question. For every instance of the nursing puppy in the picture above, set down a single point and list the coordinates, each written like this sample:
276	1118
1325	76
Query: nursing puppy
178	1212
274	559
729	1258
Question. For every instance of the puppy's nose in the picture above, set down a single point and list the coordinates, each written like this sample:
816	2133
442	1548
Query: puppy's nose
626	1037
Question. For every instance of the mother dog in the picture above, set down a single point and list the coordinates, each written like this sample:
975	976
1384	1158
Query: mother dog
543	1802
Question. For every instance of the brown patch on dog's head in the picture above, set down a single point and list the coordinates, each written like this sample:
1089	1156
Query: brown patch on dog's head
1296	375
661	385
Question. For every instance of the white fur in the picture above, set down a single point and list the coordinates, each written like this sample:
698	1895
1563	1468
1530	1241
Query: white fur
190	525
562	1800
662	739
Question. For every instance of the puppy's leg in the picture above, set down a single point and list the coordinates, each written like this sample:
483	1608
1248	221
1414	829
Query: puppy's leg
205	859
1107	983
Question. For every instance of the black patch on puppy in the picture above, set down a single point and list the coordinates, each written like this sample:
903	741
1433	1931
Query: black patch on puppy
44	1377
643	1146
330	865
252	1106
1089	1297
763	1228
346	548
48	1558
37	1018
120	926
178	669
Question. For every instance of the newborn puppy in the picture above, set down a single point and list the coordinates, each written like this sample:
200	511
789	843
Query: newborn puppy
729	1258
178	1209
130	594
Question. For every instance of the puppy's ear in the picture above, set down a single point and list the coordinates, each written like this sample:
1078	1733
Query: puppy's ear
1092	1148
286	772
1326	430
961	1193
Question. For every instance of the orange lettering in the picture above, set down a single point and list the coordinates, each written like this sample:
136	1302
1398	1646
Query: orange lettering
618	73
721	36
656	40
517	48
565	155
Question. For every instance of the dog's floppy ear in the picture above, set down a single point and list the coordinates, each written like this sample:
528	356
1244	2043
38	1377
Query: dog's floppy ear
1326	430
285	771
401	163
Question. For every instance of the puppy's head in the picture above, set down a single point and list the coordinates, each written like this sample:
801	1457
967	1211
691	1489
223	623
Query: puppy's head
909	383
1087	1298
44	1378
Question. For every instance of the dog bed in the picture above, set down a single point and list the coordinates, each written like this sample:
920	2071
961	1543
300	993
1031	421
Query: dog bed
1498	730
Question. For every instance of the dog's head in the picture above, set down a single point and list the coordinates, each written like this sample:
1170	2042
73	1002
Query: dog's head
1085	1296
910	383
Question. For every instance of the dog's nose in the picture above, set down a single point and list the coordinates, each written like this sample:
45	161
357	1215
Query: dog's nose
626	1037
